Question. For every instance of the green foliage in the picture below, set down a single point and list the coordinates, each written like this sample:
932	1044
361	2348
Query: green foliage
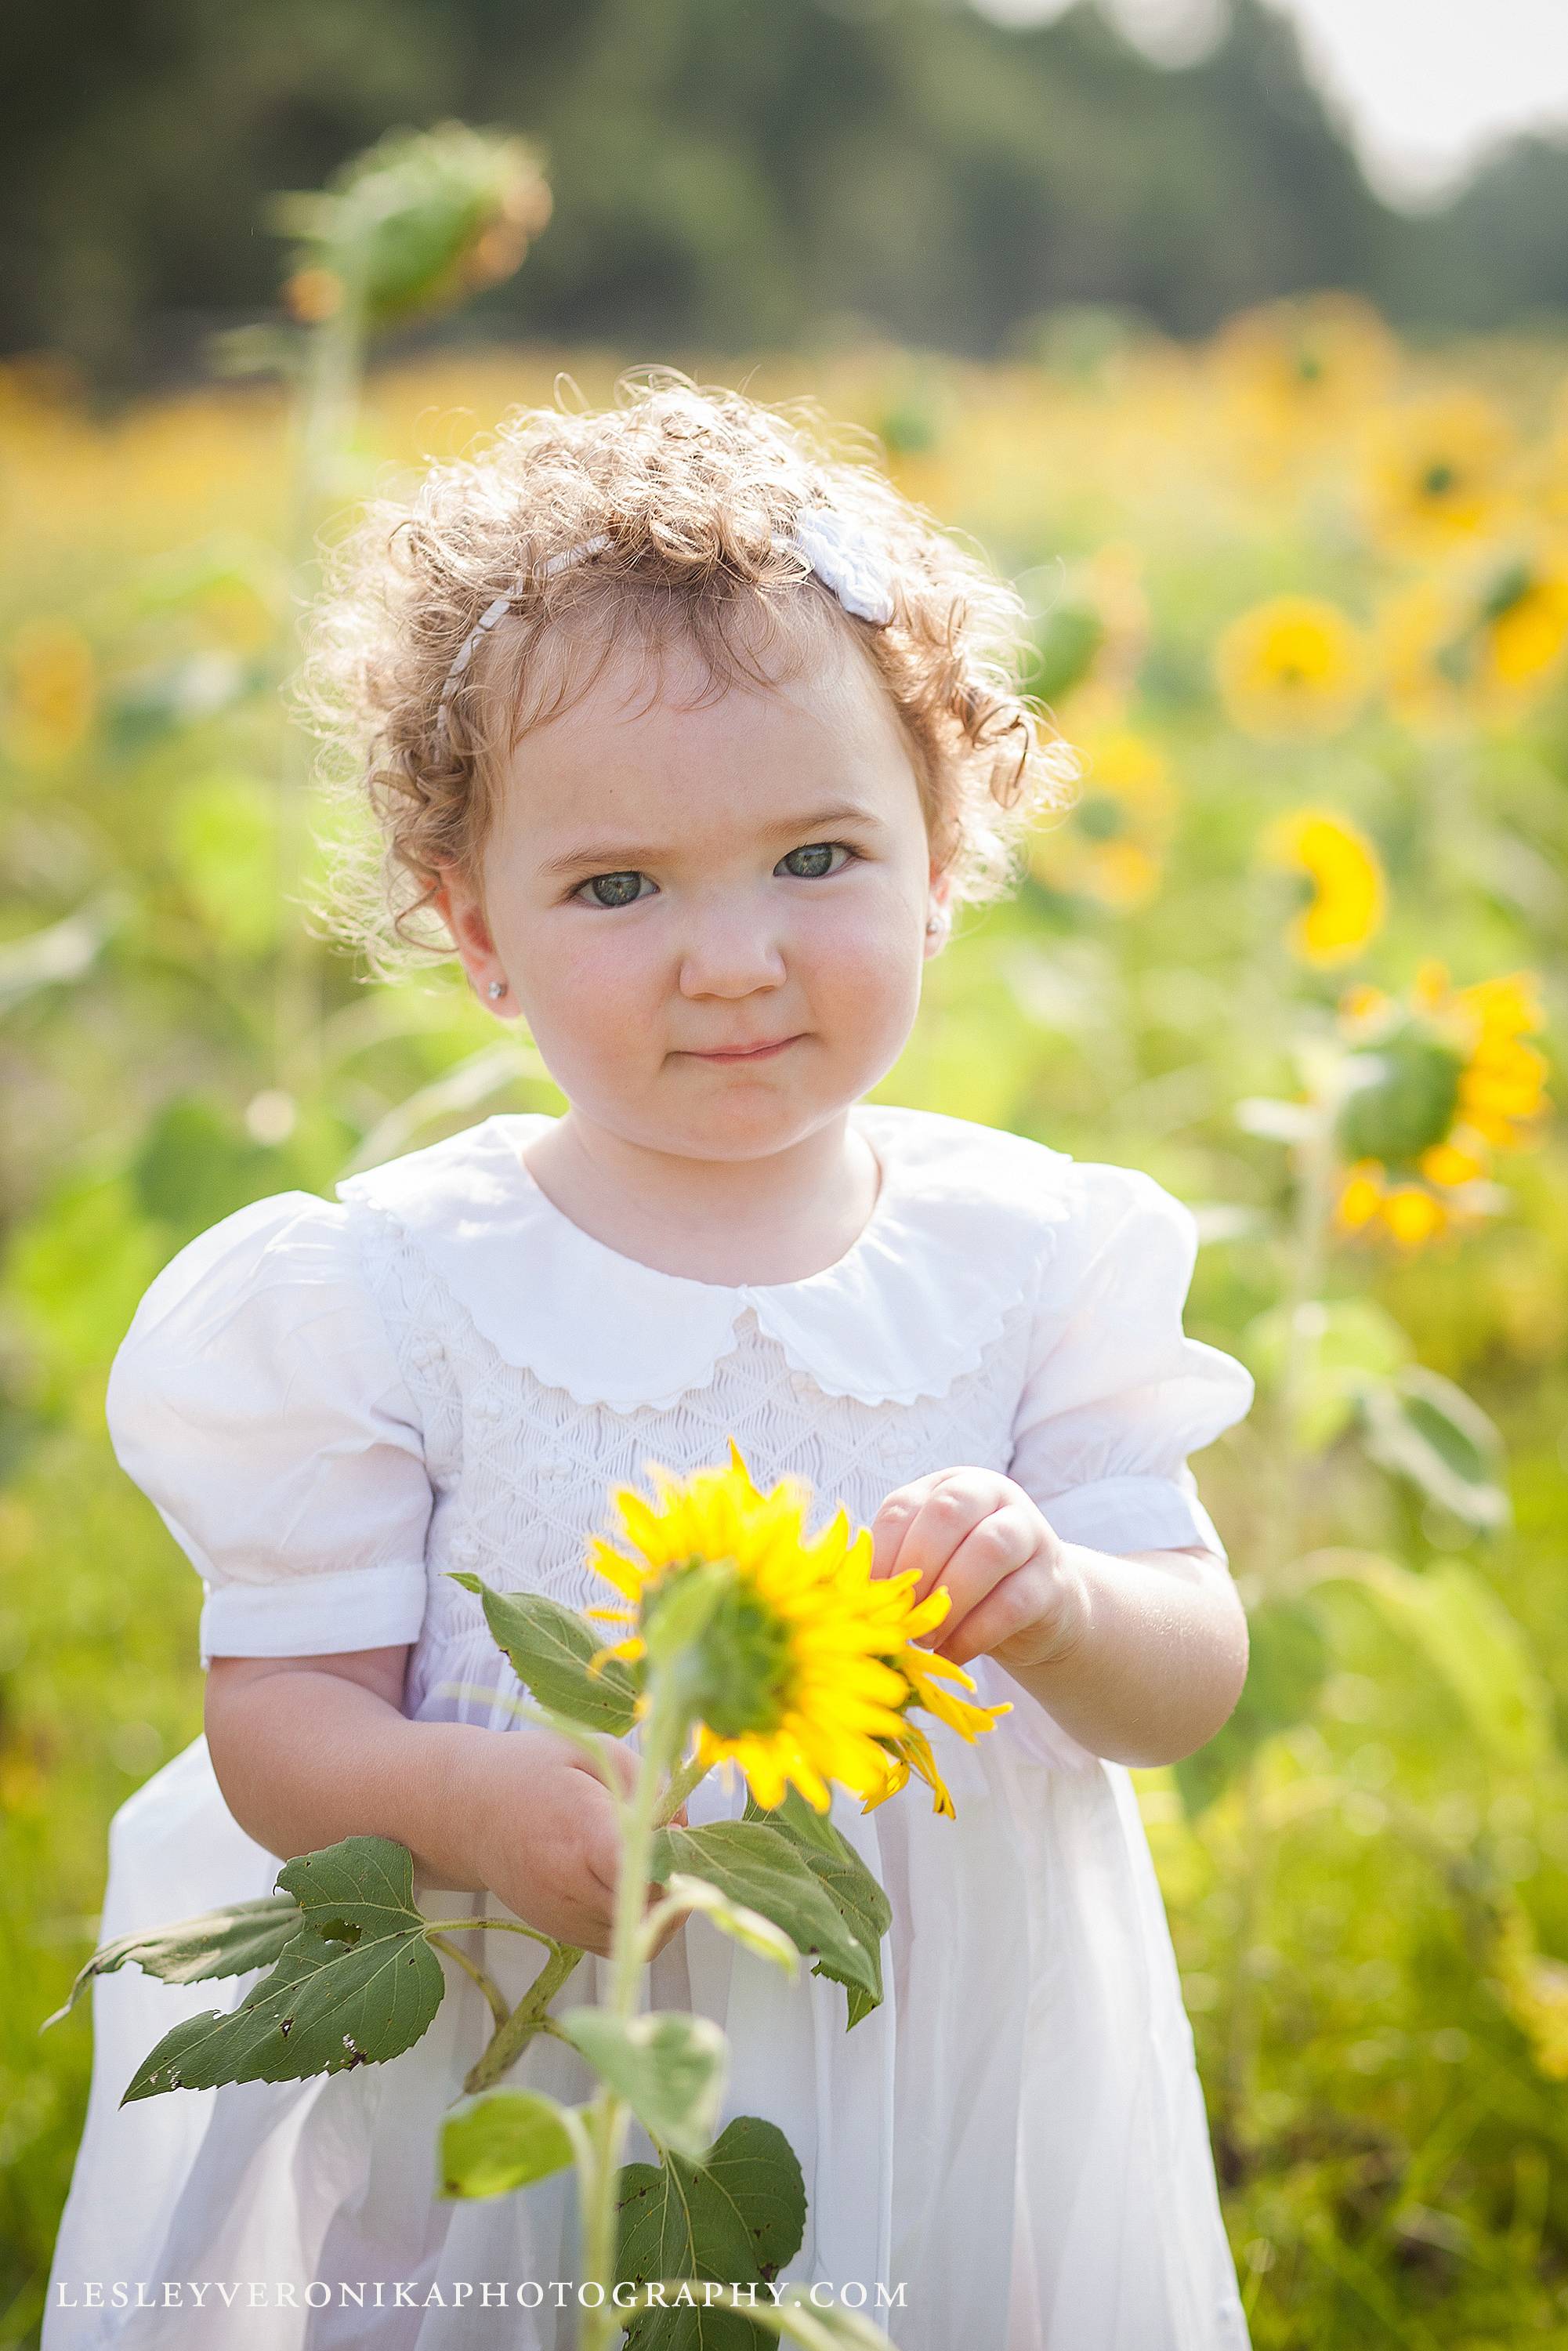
358	1984
1475	1648
501	2140
862	1905
726	176
826	1902
669	2068
549	1647
1429	1431
737	2218
228	1942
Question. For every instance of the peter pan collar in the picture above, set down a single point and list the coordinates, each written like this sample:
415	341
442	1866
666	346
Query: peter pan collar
958	1237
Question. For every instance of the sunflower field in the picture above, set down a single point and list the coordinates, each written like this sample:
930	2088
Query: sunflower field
1300	599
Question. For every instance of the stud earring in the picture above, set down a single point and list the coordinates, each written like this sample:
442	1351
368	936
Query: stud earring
496	990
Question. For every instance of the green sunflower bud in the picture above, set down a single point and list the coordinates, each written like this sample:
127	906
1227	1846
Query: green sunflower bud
1405	1097
419	222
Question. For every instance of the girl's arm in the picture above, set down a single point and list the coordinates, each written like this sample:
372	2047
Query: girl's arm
1141	1658
1146	1657
308	1750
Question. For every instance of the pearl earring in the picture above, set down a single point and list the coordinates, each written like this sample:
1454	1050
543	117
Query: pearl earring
496	990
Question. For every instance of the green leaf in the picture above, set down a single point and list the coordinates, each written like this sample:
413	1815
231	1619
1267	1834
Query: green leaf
1423	1427
735	2219
669	2067
1467	1637
1345	1345
227	1942
757	1864
748	1927
358	1984
501	2140
549	1647
850	1886
1288	1664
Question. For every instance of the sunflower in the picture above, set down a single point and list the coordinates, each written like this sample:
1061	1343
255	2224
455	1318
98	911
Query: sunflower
1293	666
803	1671
1347	899
925	1673
1448	1080
1437	472
1294	371
1111	846
1485	646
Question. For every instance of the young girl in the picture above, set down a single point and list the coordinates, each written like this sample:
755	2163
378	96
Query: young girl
690	738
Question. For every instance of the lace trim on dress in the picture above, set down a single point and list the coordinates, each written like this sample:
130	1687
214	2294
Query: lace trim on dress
962	1229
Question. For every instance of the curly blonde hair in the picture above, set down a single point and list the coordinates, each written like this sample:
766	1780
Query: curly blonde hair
690	486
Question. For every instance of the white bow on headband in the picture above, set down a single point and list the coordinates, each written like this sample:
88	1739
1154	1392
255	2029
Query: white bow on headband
831	543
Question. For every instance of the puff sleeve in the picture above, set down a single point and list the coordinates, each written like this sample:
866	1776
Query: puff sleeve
1117	1395
256	1403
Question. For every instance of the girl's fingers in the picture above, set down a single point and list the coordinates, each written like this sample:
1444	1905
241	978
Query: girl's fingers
952	1506
994	1548
893	1522
1013	1603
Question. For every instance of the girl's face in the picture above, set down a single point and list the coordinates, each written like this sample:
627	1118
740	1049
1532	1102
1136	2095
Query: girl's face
711	915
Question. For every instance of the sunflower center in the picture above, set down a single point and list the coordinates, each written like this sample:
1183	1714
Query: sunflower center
1439	479
1409	1101
736	1674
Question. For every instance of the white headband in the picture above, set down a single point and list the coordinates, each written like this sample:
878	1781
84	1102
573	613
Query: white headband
831	543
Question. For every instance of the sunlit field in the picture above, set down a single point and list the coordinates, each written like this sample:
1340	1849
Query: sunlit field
1301	600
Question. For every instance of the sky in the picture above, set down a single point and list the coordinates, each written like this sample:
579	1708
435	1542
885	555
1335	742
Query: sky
1427	89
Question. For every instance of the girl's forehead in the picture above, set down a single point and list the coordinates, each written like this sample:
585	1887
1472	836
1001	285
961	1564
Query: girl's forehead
639	711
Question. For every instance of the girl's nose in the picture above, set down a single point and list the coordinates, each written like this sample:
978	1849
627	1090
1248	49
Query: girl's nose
730	952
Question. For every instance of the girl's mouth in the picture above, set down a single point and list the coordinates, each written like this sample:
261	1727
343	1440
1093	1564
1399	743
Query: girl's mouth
747	1052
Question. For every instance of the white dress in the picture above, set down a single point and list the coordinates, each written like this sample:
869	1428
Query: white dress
333	1404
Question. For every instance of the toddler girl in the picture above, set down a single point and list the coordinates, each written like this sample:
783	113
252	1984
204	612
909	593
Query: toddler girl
690	737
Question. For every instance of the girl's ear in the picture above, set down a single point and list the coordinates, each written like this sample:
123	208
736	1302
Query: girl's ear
939	915
462	910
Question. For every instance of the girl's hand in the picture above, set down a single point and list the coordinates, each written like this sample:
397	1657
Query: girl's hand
545	1840
1016	1597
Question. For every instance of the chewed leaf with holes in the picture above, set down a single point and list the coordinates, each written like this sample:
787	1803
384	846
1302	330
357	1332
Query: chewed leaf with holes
356	1985
226	1942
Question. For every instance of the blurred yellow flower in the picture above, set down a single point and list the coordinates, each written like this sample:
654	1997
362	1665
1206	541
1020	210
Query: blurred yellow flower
1294	666
1448	1080
1111	845
1484	647
1438	471
52	692
1534	1990
1299	368
1348	898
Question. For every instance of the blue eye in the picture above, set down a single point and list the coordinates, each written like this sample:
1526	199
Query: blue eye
610	889
814	868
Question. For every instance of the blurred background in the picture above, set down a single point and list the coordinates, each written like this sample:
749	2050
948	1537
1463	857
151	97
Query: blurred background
1237	334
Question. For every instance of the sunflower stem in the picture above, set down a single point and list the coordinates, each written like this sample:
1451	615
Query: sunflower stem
651	1800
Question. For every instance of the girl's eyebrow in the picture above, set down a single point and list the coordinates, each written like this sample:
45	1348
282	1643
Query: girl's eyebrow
619	857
